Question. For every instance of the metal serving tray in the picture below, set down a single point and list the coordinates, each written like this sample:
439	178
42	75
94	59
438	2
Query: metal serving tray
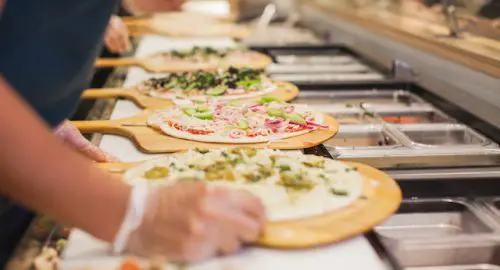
434	218
318	59
316	68
355	98
413	116
364	137
309	78
352	118
443	135
482	253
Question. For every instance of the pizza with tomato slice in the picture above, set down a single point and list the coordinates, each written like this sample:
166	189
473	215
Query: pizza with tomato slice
229	84
237	122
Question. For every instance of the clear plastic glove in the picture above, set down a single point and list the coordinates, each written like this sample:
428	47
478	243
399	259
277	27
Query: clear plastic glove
116	36
71	135
189	221
146	6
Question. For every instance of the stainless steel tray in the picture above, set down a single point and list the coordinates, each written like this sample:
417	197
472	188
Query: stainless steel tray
316	68
305	78
439	135
322	59
355	98
352	118
363	137
412	116
475	254
435	218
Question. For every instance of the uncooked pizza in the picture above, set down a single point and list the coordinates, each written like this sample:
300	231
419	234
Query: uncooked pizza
229	84
237	122
195	24
291	185
210	58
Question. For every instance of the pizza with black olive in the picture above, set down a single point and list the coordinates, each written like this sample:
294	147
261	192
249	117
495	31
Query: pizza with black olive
291	185
237	121
229	84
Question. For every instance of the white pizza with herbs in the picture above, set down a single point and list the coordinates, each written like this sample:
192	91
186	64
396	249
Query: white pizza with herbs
230	84
237	122
209	58
291	185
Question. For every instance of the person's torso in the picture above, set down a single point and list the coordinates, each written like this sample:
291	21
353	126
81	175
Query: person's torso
47	50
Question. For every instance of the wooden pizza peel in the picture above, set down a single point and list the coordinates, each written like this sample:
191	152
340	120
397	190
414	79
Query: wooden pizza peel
151	64
380	198
162	24
152	140
285	91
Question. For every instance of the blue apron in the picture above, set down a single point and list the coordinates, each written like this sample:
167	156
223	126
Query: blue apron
47	51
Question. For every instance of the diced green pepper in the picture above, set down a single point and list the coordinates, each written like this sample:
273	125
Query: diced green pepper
204	116
276	112
284	168
269	99
295	117
248	83
201	109
242	124
189	111
156	173
217	91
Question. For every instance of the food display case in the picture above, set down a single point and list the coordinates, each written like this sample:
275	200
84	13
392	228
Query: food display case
422	107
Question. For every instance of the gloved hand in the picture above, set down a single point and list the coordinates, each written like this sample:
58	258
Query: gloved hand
116	36
141	6
189	221
71	135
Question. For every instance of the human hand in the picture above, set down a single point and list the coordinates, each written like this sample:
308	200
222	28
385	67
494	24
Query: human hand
116	36
139	6
189	221
71	135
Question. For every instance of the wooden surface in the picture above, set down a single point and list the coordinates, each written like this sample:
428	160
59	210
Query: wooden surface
423	36
149	64
150	140
381	198
286	92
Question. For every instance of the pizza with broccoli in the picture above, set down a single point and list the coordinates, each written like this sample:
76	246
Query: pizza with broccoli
229	84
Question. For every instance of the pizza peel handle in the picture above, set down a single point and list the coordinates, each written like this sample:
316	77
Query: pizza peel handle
99	93
100	126
115	62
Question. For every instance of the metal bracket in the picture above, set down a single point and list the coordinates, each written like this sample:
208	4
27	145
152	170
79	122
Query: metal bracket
402	71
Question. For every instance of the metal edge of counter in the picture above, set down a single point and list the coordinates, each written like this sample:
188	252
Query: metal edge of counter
471	89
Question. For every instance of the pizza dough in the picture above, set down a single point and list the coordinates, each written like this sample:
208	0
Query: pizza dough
195	24
230	84
291	185
237	122
208	58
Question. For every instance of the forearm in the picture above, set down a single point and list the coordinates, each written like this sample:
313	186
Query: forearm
42	173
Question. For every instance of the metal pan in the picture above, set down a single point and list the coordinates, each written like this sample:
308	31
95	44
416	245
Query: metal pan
316	68
444	135
318	59
435	218
363	137
322	78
